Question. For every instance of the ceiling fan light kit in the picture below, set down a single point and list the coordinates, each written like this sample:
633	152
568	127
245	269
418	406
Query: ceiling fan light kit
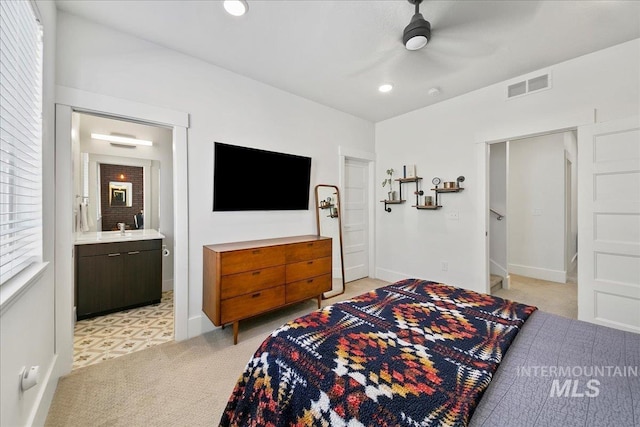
416	35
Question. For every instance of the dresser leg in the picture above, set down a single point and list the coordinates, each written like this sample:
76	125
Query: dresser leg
319	301
235	332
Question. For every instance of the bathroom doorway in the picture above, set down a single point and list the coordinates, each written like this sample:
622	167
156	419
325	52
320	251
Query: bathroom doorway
120	183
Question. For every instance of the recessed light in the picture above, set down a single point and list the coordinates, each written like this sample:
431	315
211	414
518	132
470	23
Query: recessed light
236	7
434	91
385	88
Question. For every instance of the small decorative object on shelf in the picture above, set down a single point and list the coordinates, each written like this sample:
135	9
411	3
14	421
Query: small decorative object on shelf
391	194
410	171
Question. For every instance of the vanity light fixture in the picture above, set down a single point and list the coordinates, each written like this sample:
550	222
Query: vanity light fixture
385	88
121	139
236	7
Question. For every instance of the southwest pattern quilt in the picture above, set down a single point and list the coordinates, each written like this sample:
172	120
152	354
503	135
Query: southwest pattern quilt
414	353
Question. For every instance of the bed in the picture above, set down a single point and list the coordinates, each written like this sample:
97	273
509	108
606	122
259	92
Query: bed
420	353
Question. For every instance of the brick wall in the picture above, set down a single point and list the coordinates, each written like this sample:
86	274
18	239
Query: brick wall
112	215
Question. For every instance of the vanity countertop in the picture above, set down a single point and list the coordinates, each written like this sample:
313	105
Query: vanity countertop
89	238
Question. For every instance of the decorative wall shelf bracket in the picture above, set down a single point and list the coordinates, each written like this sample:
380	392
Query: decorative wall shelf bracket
391	202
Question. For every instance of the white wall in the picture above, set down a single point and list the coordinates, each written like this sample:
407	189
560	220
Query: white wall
224	107
498	202
536	207
446	139
27	325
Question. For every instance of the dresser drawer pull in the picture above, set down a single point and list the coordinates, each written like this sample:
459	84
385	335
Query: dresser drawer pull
309	244
310	262
310	281
255	252
255	273
134	252
118	254
256	295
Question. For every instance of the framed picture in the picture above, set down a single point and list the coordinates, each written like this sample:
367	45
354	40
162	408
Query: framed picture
120	194
411	171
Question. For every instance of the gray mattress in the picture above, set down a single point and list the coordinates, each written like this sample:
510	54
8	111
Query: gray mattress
523	393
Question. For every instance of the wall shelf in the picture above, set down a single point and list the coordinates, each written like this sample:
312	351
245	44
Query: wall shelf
447	190
418	192
431	207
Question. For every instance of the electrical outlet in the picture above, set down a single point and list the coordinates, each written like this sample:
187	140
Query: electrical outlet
445	266
453	216
537	212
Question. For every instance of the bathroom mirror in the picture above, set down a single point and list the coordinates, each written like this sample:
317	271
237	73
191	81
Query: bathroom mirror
329	222
120	194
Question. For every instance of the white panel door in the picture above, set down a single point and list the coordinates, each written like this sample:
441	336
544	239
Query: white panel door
356	218
609	224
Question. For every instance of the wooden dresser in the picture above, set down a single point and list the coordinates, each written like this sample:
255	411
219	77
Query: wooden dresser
244	279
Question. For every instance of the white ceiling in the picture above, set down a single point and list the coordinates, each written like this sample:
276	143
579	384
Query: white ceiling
338	52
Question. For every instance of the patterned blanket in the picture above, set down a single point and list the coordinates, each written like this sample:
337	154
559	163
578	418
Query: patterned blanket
414	353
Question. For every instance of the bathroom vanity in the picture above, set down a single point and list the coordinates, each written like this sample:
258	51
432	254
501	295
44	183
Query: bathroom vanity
115	271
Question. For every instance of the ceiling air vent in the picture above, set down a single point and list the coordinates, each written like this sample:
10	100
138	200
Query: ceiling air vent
517	89
526	87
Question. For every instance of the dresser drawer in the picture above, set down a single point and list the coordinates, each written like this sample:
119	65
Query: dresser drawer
248	305
308	288
251	259
308	250
306	269
251	281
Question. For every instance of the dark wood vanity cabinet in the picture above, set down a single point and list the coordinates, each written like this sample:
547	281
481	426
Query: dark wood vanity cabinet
115	276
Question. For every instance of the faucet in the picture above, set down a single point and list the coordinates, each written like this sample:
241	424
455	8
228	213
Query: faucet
121	227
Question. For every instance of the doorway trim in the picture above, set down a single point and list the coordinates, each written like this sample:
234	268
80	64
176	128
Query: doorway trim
68	100
542	126
345	153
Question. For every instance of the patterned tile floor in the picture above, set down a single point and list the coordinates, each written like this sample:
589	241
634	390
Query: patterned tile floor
105	337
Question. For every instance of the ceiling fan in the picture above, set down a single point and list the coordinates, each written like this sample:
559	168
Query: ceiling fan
416	35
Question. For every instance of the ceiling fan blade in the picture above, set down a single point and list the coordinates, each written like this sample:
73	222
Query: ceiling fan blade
474	29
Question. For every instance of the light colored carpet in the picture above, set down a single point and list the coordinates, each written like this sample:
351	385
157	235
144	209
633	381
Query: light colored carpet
188	383
183	383
552	297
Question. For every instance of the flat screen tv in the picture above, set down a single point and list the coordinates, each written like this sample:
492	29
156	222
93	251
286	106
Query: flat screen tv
248	179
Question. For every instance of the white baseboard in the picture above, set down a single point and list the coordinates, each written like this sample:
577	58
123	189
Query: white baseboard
167	285
42	404
539	273
495	268
199	325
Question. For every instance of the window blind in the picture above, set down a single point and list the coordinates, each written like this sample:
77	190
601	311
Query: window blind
20	138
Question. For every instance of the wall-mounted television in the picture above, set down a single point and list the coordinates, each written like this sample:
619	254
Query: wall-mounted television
248	179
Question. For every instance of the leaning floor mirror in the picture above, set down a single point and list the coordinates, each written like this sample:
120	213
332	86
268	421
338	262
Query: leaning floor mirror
329	221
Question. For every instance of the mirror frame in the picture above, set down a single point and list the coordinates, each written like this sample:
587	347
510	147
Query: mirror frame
331	294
